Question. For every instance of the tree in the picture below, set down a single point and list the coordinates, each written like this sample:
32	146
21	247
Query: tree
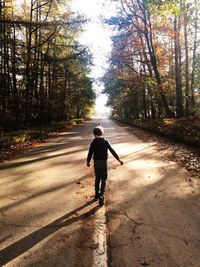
39	63
152	48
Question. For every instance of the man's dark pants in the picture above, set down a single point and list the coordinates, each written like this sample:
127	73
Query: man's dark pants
100	169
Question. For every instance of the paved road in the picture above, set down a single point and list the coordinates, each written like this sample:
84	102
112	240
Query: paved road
48	216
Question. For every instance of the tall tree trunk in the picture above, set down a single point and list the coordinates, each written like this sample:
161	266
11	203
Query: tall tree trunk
187	89
144	58
14	80
179	103
194	55
28	67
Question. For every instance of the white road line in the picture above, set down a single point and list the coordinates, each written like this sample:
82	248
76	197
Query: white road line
100	253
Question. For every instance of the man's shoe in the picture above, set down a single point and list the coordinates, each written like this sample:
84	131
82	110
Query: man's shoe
101	200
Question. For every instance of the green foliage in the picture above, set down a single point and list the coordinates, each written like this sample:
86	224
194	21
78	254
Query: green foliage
164	7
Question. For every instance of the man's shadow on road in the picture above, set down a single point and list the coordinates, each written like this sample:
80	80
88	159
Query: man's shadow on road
16	249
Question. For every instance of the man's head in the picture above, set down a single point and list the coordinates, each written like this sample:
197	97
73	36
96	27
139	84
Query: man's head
98	131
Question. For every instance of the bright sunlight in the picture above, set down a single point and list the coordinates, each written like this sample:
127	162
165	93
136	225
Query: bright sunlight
96	36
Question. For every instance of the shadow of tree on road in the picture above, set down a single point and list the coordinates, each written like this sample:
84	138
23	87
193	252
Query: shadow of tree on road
16	249
41	193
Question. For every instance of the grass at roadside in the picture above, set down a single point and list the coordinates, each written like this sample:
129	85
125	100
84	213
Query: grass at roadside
186	130
12	139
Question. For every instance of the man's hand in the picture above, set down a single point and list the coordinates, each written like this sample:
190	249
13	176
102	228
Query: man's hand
121	162
88	164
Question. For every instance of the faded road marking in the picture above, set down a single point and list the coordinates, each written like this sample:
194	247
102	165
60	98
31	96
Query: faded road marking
100	253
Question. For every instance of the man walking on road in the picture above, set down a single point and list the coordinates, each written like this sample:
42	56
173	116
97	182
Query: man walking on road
99	150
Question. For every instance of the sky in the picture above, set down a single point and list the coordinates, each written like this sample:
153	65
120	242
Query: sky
96	36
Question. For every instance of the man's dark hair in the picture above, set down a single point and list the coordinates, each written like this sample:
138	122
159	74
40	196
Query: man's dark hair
98	131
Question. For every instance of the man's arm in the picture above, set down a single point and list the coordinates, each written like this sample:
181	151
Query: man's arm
90	153
114	153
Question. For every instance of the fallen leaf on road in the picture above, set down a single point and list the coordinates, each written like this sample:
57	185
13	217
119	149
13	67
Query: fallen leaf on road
144	263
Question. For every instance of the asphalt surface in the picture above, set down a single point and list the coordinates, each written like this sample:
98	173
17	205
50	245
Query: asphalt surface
48	217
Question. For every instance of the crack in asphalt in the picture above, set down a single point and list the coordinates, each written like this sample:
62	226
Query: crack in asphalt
131	219
153	226
137	224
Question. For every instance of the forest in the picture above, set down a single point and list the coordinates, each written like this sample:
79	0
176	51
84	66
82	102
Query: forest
154	68
153	73
43	68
